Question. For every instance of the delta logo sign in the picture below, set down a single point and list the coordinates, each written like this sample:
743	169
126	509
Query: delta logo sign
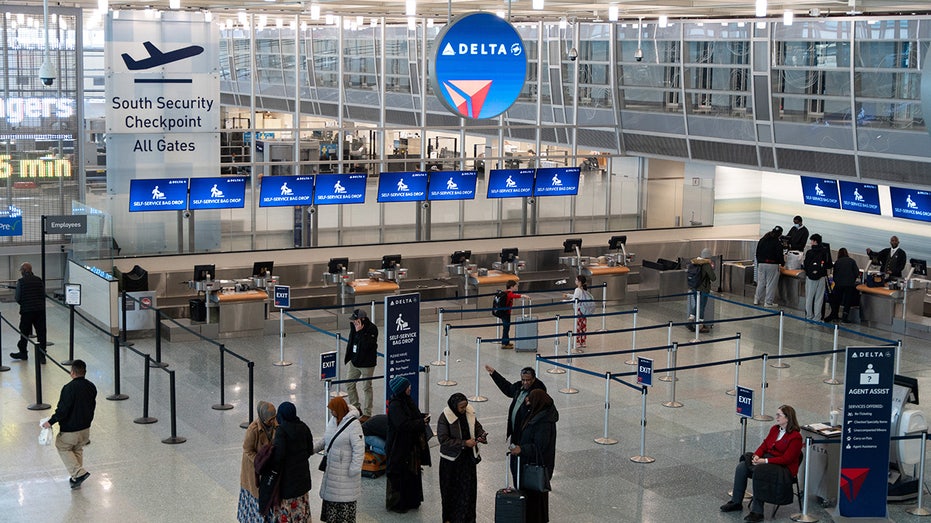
479	66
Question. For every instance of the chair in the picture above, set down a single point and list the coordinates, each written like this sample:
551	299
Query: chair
798	490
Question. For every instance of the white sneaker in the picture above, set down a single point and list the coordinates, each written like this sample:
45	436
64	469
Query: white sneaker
691	317
756	301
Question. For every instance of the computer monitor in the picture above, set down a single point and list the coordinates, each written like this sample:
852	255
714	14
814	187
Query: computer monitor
202	272
570	245
509	255
390	261
460	257
262	268
616	241
909	383
921	267
336	265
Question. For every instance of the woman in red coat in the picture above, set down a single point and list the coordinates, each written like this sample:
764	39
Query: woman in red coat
782	446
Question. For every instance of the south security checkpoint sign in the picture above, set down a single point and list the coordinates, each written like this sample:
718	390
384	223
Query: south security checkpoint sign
283	296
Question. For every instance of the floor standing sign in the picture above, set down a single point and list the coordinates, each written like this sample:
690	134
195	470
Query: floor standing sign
402	341
864	460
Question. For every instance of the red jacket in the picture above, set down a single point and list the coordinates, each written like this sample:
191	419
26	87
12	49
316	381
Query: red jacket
786	451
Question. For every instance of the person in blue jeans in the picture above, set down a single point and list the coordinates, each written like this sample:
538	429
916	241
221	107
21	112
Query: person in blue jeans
509	288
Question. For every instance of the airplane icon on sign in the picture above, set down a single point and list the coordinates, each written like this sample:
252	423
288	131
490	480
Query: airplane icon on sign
157	57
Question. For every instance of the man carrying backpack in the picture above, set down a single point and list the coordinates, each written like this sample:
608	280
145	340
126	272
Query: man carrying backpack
816	265
699	276
502	303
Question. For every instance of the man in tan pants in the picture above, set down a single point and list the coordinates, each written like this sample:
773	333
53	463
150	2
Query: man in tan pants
74	415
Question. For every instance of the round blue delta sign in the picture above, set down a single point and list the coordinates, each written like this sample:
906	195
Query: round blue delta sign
479	66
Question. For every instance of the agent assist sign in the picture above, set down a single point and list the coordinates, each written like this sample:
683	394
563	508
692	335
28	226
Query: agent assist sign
479	66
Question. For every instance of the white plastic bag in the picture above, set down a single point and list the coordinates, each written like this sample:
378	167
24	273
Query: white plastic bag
45	435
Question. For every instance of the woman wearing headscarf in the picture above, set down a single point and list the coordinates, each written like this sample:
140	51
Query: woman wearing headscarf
459	434
294	444
345	451
407	448
537	446
258	434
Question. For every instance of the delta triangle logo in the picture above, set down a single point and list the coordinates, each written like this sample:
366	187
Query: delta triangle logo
468	95
851	480
448	50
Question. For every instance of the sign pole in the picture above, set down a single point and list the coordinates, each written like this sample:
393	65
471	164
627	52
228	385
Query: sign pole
283	302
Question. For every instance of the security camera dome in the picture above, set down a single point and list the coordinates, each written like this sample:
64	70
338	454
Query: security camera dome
47	73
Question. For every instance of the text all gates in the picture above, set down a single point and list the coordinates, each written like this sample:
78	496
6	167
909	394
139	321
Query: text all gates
645	371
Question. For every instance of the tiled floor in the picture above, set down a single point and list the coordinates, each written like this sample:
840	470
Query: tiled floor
136	477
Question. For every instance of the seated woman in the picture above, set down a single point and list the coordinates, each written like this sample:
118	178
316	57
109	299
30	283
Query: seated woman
783	446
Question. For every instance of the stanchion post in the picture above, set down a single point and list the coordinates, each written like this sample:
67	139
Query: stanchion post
145	419
3	368
804	516
763	416
249	407
782	322
174	439
439	340
446	382
70	359
327	383
733	392
281	361
833	379
920	510
898	355
743	435
570	348
554	370
116	396
605	440
633	342
123	341
38	405
604	306
426	371
339	386
158	341
642	457
672	403
223	405
478	370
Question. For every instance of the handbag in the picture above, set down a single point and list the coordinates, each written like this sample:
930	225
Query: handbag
322	466
534	477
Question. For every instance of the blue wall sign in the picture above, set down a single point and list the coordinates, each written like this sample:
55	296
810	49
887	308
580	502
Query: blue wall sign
479	65
744	402
339	188
644	371
283	296
11	226
911	204
864	459
328	365
510	183
217	193
402	340
452	185
859	197
285	191
161	194
402	187
820	191
557	181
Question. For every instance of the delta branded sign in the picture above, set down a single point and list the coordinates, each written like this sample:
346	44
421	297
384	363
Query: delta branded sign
479	66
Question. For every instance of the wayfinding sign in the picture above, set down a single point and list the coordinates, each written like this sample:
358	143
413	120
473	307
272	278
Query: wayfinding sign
744	402
645	371
402	340
283	296
328	365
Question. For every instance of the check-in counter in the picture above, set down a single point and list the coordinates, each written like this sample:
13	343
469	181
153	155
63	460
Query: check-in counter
655	282
614	278
240	311
368	290
487	284
738	278
792	288
880	304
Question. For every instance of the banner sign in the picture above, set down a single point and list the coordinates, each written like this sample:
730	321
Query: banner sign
744	402
644	371
66	224
859	197
864	459
820	191
402	186
328	365
402	341
285	191
452	185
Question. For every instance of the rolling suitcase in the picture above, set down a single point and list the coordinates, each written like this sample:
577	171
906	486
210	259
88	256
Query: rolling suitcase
525	326
374	465
510	504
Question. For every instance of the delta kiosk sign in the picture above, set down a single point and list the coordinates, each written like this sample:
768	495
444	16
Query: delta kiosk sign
479	66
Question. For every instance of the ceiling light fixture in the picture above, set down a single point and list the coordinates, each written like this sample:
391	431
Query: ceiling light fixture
537	5
174	4
315	12
102	5
360	21
663	20
329	20
563	23
638	55
410	8
788	17
612	13
760	8
411	21
502	15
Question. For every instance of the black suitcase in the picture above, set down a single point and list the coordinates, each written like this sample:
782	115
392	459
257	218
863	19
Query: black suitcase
510	504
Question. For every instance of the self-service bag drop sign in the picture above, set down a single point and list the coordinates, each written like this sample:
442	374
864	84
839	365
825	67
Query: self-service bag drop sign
283	296
645	371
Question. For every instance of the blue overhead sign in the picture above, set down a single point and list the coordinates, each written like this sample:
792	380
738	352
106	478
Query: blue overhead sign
452	185
402	187
217	193
285	191
557	181
160	194
510	183
479	65
911	204
339	188
820	191
859	197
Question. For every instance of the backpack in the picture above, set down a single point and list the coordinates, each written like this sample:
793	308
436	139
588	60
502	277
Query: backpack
586	304
499	305
693	276
814	264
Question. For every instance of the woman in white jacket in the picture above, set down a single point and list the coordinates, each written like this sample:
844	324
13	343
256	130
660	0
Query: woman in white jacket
342	481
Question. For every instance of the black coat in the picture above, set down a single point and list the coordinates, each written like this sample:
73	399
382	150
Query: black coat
406	440
294	444
846	272
798	238
512	390
769	250
76	405
538	440
892	265
30	293
366	355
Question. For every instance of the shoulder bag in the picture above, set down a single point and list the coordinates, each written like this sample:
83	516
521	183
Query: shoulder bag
322	466
534	478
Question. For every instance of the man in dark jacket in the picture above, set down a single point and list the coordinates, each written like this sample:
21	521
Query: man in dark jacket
816	265
30	295
74	414
518	392
798	235
361	356
769	257
891	259
705	269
